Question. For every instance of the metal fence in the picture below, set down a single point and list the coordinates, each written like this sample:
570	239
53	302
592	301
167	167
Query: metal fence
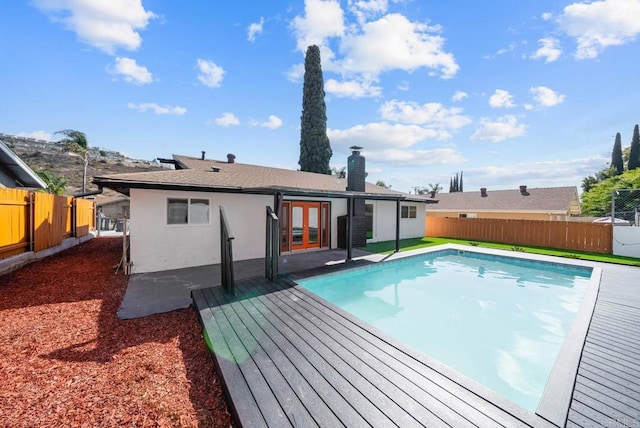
625	207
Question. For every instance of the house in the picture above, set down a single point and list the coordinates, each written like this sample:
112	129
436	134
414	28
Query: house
549	203
15	173
112	209
175	219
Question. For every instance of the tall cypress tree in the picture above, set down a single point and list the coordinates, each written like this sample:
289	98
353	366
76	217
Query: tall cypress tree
616	155
315	150
634	154
460	187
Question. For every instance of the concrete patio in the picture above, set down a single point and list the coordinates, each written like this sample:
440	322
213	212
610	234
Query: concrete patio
158	292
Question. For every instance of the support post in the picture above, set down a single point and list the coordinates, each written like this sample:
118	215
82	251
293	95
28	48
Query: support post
349	228
397	225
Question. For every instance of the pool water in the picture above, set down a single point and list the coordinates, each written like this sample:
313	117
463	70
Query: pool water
498	320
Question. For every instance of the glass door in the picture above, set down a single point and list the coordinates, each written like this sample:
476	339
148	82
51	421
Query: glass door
305	225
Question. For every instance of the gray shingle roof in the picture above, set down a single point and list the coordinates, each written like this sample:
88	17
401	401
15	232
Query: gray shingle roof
535	199
220	175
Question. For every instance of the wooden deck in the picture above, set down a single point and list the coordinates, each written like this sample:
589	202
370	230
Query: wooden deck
607	390
288	358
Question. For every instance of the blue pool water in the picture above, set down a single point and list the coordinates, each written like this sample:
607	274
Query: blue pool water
498	320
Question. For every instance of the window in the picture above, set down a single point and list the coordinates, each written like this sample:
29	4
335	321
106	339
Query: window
187	211
468	215
408	211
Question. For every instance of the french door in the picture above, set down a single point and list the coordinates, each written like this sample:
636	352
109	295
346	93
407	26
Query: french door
304	225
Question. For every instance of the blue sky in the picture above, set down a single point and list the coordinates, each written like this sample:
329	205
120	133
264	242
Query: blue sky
510	92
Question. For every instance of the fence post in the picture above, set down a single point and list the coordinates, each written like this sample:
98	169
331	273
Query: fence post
32	222
613	207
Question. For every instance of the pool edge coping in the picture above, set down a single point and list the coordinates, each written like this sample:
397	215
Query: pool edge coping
553	409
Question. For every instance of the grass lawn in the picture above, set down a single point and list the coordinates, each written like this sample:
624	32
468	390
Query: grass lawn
415	243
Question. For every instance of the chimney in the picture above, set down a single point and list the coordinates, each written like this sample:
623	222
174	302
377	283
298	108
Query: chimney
523	190
231	158
483	192
355	168
202	156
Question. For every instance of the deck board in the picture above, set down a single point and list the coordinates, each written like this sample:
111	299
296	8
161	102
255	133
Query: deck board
289	358
607	390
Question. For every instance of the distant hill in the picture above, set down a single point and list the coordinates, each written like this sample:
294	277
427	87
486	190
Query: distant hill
51	156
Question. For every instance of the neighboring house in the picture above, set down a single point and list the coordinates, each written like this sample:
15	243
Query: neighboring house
112	209
15	173
175	220
550	203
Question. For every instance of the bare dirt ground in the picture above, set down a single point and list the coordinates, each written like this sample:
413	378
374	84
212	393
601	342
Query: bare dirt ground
67	360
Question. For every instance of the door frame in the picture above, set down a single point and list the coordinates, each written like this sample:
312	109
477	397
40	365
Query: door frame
286	225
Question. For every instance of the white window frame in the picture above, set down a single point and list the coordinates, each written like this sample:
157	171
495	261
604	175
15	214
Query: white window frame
190	214
408	211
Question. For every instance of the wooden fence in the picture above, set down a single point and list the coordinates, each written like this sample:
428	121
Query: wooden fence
34	221
565	235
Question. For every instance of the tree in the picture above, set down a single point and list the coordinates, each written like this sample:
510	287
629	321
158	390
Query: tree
55	185
76	142
383	184
435	187
456	183
634	154
315	150
420	190
340	173
616	155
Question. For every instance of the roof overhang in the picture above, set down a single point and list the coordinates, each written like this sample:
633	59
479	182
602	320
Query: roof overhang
124	186
20	170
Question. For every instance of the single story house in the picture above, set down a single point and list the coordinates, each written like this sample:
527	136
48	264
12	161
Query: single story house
14	173
111	210
175	219
550	203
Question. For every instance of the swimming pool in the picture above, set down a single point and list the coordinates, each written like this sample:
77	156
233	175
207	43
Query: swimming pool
498	320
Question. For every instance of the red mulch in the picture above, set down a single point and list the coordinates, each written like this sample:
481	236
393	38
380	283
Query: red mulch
67	360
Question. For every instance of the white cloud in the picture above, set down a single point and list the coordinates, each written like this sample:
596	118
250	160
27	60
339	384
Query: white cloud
414	158
157	109
366	9
352	89
500	129
536	174
274	122
379	136
131	72
106	25
37	135
546	97
459	96
549	51
600	24
403	86
210	74
254	28
323	19
395	43
433	115
546	16
227	119
501	99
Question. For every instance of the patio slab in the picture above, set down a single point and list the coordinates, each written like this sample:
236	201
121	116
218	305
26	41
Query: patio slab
166	291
